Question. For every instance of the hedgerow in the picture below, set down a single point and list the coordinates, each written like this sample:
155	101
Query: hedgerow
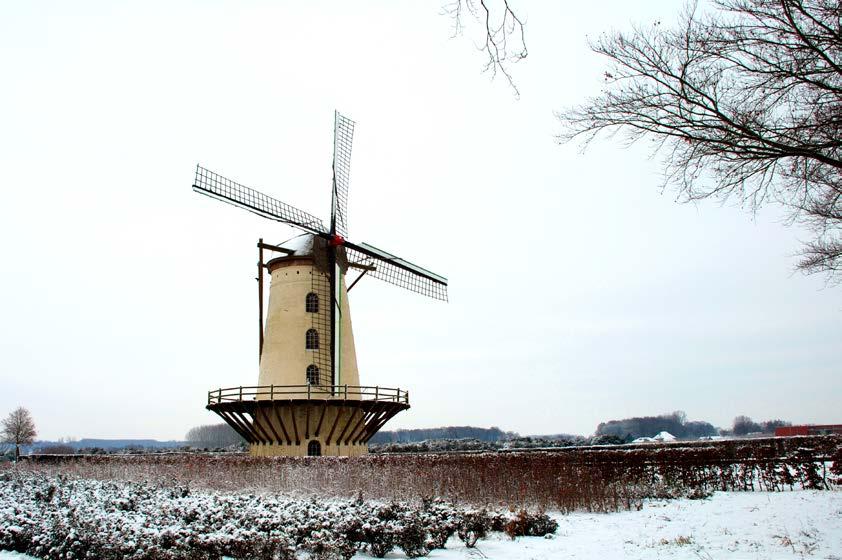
606	478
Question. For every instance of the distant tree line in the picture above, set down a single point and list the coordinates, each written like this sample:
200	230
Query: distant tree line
744	425
213	436
56	449
675	423
447	432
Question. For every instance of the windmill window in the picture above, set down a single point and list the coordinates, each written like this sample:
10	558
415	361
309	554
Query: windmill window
312	303
311	341
314	449
313	375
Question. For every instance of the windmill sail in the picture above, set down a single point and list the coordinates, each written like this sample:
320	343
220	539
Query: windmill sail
343	138
216	186
395	270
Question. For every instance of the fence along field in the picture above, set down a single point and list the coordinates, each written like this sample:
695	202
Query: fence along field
567	479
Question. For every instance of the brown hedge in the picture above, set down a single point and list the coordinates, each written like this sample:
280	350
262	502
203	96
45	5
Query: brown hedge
591	478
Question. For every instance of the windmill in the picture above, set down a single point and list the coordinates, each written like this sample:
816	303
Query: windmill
308	400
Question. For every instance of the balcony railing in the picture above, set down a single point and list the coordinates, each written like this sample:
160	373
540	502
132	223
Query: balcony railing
309	392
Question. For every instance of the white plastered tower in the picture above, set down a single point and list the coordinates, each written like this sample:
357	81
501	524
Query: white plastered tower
296	356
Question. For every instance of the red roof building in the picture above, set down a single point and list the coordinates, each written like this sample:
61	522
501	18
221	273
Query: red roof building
809	430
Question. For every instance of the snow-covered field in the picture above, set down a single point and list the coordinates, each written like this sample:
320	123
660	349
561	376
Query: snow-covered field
804	524
735	525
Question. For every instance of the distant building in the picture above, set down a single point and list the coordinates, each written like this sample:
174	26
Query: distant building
809	430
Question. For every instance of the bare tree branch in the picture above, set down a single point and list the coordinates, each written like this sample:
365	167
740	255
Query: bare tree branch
505	40
749	96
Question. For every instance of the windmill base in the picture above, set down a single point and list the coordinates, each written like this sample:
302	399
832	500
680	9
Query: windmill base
283	450
339	425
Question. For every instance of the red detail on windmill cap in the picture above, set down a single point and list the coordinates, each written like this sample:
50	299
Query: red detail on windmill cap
336	241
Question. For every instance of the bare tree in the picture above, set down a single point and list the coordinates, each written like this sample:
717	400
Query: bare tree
213	435
18	429
745	425
504	38
743	101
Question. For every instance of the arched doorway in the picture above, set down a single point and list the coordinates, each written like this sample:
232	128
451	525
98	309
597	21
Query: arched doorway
314	449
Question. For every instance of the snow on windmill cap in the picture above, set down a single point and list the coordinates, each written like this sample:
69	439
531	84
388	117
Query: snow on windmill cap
300	245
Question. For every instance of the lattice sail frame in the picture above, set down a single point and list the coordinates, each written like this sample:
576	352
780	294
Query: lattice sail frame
395	270
216	186
343	138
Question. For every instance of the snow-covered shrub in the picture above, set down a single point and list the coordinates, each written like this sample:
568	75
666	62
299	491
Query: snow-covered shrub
378	537
440	520
67	518
526	524
411	536
327	545
836	466
522	523
473	526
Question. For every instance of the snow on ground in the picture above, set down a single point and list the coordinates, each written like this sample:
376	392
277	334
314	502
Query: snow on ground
736	525
726	526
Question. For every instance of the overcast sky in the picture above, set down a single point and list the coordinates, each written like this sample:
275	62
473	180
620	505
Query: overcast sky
579	292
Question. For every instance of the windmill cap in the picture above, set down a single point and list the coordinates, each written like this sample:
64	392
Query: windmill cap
300	245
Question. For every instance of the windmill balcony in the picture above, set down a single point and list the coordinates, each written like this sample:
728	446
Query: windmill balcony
307	392
285	419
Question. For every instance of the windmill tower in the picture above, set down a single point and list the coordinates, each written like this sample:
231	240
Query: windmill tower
308	399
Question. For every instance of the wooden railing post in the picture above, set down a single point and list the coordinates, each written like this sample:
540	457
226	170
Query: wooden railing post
346	391
377	392
308	391
241	392
272	392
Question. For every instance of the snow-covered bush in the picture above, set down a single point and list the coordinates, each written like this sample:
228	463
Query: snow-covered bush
60	517
523	524
473	526
441	521
399	525
836	466
412	537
